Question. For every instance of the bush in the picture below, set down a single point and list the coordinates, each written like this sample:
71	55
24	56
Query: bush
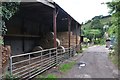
114	56
8	76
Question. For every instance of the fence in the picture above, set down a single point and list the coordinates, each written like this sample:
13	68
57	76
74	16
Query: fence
27	66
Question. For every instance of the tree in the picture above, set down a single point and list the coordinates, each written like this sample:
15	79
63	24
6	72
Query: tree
96	24
115	28
97	17
94	29
115	11
92	33
7	10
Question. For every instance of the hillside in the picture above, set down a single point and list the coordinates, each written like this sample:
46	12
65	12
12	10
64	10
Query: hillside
95	28
104	20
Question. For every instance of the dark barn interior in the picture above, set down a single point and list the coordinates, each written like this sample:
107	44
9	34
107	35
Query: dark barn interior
32	25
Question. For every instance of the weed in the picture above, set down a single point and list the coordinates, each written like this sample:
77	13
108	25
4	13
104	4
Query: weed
48	77
66	67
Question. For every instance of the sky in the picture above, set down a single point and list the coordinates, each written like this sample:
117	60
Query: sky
84	10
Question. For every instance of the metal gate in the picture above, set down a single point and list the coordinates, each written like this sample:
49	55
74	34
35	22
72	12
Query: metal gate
28	65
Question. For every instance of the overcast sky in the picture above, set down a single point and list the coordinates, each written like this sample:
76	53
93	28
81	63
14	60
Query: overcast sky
83	10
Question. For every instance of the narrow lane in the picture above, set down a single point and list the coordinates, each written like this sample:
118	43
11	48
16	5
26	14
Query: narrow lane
97	65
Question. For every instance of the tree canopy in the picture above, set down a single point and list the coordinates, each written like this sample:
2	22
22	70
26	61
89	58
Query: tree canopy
94	28
115	28
115	11
7	10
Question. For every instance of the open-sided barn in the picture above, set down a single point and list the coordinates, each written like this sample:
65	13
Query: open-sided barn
39	26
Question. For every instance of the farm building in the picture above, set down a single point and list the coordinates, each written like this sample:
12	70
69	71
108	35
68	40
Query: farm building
34	22
39	27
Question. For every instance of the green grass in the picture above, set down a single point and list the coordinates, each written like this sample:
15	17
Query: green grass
114	58
67	66
62	68
48	77
8	76
51	76
115	61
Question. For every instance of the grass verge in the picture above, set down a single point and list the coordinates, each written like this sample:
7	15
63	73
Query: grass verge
8	76
47	77
115	60
67	66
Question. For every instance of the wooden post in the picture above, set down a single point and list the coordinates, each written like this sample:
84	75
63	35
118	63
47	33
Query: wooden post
54	27
76	34
69	29
80	38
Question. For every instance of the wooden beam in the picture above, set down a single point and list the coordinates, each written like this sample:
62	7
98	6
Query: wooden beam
80	38
69	29
54	27
76	33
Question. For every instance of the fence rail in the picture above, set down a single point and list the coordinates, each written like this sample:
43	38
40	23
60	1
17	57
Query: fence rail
29	65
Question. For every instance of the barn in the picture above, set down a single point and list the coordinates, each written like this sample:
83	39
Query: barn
41	28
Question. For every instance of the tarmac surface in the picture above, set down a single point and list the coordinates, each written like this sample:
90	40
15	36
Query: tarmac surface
93	64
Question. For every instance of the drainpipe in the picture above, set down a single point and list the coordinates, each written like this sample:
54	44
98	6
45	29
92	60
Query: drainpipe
54	27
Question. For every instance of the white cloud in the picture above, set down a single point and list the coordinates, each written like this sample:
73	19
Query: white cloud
83	10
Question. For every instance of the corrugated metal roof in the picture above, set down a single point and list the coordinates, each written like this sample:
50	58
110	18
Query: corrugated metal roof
47	2
50	3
